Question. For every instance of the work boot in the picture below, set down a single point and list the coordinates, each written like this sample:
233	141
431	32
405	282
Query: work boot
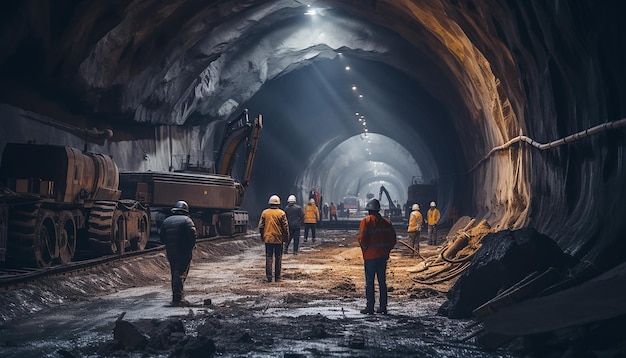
367	311
181	303
382	310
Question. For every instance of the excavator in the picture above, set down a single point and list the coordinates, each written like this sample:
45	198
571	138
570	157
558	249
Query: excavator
214	198
57	200
394	213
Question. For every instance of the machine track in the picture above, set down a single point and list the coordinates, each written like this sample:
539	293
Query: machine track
34	236
117	226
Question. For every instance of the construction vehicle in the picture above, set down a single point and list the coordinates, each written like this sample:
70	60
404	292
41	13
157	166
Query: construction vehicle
394	213
213	194
351	205
57	200
420	193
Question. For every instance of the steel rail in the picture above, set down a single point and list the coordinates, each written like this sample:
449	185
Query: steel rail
14	276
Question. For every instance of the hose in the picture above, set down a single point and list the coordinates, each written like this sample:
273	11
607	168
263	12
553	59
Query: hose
543	146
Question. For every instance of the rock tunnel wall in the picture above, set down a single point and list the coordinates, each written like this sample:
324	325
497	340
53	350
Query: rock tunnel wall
545	69
559	79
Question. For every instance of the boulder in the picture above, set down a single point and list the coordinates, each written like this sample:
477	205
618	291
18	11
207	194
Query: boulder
505	258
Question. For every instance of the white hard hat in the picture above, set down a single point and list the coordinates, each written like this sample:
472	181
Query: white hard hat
291	199
432	203
274	200
415	207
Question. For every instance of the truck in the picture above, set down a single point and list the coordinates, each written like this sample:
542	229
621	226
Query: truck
56	201
394	213
214	196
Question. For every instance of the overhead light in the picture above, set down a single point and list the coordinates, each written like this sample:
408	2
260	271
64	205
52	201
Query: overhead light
354	88
347	68
311	12
360	96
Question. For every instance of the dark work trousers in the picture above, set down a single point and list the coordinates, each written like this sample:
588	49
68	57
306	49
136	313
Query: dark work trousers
275	252
378	268
308	227
294	235
179	267
415	240
432	234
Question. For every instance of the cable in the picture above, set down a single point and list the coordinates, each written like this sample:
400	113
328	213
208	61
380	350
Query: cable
555	143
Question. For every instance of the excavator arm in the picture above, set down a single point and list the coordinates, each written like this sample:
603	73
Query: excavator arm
380	196
238	131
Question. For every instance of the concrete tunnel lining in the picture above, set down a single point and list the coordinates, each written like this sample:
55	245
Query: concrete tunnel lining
500	70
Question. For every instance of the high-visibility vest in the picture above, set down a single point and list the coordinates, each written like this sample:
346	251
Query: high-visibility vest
273	221
311	214
415	221
376	236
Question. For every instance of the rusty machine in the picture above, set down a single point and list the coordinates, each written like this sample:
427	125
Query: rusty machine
57	199
213	194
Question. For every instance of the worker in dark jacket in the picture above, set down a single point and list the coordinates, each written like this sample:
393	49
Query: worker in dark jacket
178	233
274	231
376	237
295	217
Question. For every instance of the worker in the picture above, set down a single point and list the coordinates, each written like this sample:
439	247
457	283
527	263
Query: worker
432	219
295	217
376	237
274	231
325	210
415	227
333	211
311	218
178	233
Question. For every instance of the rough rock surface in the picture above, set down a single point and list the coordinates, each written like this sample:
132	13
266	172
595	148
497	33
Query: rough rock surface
505	258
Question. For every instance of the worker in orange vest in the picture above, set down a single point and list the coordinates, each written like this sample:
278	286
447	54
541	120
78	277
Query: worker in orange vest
376	237
311	218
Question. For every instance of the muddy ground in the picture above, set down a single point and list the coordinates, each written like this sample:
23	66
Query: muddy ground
313	311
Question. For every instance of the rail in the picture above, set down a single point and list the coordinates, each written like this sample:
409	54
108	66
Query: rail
14	276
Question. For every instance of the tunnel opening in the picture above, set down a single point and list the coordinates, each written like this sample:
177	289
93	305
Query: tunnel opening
309	112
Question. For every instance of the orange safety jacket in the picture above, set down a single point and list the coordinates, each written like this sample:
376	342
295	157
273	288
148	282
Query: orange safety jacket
376	236
433	215
311	214
333	210
415	221
273	223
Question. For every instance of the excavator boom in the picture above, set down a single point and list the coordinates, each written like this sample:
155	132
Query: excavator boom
238	131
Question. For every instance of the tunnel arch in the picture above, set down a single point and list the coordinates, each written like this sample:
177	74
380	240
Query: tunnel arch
500	69
350	166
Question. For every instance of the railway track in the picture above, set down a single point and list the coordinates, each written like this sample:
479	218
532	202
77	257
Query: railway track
13	276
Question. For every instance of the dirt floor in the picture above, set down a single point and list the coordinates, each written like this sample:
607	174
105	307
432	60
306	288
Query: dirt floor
312	312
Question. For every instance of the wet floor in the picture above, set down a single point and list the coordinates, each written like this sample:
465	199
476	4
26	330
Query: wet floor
312	312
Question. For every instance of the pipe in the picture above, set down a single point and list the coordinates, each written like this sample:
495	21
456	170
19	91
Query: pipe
543	146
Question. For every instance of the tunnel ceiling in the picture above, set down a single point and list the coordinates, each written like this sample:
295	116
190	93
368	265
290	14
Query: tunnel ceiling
472	76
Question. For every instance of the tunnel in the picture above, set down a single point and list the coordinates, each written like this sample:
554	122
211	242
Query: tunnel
514	109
